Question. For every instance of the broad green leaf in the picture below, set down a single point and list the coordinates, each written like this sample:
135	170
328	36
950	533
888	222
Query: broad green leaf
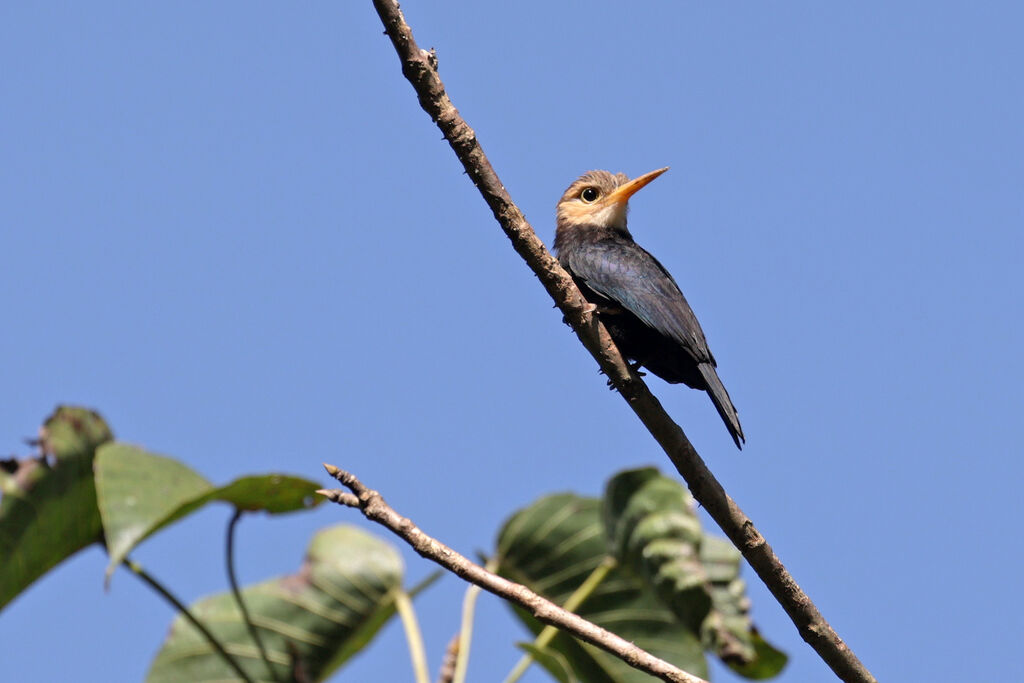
48	510
555	662
271	493
552	546
728	631
140	492
653	528
669	573
768	661
311	621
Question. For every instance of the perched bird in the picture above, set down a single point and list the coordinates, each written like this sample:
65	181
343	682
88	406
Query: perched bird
635	297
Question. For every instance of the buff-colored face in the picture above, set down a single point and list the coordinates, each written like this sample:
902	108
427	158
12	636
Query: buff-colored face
601	198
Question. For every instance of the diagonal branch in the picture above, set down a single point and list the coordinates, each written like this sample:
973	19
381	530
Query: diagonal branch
420	68
373	506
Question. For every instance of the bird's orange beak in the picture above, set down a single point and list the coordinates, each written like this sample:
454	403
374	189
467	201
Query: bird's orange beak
622	193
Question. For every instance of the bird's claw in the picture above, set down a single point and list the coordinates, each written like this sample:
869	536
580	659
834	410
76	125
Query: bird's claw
634	366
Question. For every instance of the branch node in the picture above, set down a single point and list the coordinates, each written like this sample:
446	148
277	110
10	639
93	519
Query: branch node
340	497
431	57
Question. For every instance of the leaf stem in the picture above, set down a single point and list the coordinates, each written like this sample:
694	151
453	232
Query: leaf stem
465	633
548	633
233	580
138	570
413	636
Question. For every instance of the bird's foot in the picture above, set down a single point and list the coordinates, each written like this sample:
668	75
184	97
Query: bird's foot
634	366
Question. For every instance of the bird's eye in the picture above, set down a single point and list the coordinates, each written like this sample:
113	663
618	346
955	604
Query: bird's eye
589	194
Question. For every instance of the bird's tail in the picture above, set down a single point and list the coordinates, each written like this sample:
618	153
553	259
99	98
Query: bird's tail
720	397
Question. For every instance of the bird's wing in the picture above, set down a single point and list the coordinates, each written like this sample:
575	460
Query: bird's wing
622	271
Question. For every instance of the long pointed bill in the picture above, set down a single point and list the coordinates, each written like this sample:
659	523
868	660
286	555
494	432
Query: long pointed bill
622	193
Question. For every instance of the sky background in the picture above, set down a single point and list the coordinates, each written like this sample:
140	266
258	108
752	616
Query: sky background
230	229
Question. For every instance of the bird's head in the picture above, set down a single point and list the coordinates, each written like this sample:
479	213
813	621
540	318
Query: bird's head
600	199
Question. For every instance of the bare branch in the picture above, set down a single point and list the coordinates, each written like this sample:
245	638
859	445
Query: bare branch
373	506
419	67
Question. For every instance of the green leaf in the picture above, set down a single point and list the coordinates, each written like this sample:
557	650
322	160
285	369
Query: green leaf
311	621
555	662
653	528
48	511
139	493
768	661
551	547
274	494
728	631
673	583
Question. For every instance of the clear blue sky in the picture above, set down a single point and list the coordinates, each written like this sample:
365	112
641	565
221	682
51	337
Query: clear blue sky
230	228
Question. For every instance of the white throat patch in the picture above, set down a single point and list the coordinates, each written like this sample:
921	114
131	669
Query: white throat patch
611	216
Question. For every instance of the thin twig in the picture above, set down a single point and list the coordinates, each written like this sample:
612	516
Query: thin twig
166	594
413	636
375	509
233	580
420	68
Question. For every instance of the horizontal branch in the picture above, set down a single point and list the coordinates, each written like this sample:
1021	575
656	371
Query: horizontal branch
373	506
420	68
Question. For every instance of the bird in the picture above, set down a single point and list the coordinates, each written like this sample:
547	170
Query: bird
635	297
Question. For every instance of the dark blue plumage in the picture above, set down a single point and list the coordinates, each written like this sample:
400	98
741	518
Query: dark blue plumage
636	297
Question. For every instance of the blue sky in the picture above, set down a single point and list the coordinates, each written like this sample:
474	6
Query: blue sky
230	228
